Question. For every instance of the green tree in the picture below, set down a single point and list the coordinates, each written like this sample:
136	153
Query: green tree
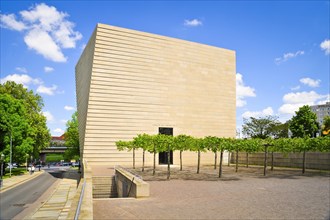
28	129
127	145
280	130
326	126
262	127
211	143
198	145
145	142
165	143
182	143
304	123
71	137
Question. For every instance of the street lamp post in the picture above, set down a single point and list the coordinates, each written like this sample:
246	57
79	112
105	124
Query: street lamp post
26	161
2	157
11	149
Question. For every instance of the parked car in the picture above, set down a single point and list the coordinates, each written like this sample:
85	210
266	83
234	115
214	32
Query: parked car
75	164
14	165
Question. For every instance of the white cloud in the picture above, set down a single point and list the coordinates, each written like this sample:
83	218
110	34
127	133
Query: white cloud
295	88
68	108
242	91
49	116
21	69
192	23
58	130
293	101
310	82
40	41
24	79
325	45
265	112
64	121
47	90
48	69
10	22
288	56
47	30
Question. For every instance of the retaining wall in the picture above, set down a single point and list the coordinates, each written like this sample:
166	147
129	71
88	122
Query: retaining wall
314	160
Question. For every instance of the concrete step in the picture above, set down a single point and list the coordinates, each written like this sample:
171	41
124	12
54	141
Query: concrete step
104	187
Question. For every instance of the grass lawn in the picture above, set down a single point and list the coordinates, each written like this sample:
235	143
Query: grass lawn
15	172
54	157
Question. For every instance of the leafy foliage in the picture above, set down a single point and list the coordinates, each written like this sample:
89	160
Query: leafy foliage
21	118
304	123
261	127
71	137
326	126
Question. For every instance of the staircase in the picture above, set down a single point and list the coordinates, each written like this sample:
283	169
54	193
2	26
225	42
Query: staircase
104	187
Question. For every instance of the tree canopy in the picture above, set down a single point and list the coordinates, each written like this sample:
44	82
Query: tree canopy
326	126
71	137
262	127
304	123
22	120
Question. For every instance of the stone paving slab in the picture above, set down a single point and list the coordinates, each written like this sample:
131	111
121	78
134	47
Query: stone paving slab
245	195
58	205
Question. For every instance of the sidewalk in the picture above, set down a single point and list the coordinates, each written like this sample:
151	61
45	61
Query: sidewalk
59	203
17	180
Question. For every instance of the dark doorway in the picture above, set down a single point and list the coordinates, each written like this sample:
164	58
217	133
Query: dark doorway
163	155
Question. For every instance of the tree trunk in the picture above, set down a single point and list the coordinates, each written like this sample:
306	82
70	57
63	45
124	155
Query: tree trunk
304	162
228	158
143	159
199	160
265	161
168	163
154	169
236	169
180	160
272	168
220	165
215	159
133	158
247	160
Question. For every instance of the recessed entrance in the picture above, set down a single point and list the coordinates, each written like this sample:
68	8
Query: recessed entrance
163	155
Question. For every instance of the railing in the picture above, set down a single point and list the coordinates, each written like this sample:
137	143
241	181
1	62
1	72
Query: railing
80	201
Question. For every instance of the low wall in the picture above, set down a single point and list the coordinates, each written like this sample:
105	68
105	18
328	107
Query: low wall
129	185
314	160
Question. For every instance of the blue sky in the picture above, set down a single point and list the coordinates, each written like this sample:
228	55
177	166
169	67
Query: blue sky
282	48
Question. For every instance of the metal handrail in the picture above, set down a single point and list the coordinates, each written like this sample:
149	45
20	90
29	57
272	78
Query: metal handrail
80	201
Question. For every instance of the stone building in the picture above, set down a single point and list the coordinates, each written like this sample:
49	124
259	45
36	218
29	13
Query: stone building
130	82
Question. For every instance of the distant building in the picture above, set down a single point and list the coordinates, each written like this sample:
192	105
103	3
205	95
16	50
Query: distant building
57	141
321	111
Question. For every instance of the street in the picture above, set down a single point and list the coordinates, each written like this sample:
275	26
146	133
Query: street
16	200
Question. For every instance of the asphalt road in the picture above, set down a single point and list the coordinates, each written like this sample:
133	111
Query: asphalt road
15	200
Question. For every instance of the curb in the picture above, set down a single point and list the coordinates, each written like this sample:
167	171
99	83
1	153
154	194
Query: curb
21	182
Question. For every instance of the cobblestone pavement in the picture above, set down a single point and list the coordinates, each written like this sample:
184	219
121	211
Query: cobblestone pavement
283	194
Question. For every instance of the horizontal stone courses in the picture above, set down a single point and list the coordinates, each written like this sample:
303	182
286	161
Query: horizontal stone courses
130	76
116	53
100	70
150	37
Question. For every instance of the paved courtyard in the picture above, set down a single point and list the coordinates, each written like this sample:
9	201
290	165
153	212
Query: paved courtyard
283	194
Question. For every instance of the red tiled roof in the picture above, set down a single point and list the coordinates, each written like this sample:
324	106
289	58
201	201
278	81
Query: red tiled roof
58	138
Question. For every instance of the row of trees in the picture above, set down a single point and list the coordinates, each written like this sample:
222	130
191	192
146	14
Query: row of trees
22	123
302	124
164	143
